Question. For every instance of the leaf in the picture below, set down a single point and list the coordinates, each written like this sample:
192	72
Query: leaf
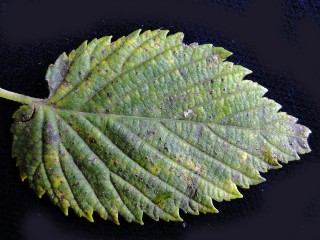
147	124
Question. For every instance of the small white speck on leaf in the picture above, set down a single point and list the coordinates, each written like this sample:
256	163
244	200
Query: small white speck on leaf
92	160
187	113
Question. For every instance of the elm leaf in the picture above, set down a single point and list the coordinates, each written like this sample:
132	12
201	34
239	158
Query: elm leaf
148	125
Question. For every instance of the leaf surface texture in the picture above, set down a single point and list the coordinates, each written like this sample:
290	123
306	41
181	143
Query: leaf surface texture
147	124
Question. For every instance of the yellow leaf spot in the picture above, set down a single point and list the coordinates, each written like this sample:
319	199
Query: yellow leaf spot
155	170
269	156
57	181
171	61
160	203
244	157
195	167
230	186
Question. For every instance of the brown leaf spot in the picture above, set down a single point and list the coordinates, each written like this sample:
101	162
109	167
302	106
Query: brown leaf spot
150	132
269	156
115	162
165	147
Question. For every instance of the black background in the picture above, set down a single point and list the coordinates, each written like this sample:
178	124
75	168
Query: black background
278	40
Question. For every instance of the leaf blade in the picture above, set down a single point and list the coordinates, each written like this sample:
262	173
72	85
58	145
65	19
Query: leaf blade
146	124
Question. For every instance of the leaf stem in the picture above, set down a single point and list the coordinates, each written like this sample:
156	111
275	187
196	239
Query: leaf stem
17	97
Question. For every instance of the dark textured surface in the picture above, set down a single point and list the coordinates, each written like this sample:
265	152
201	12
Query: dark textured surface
278	40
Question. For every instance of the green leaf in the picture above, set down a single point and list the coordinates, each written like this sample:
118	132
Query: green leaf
147	124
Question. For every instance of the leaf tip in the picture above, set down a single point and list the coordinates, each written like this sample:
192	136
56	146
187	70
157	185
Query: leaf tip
237	193
139	221
65	211
23	176
180	36
178	217
135	33
88	215
40	194
246	71
216	210
223	53
115	219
